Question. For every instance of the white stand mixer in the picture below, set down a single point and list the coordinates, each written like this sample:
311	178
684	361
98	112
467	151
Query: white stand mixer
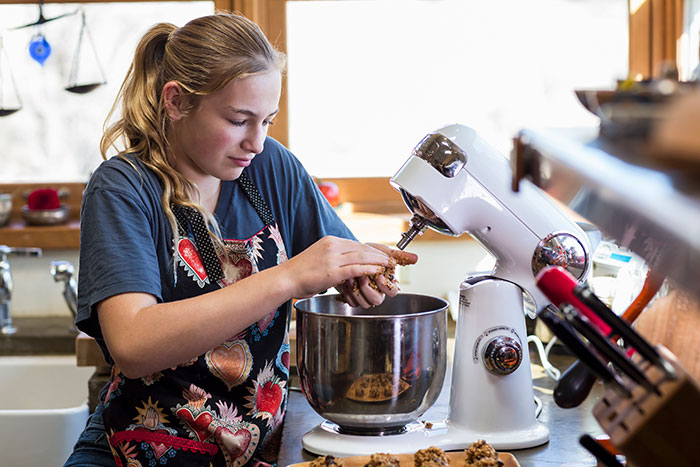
455	183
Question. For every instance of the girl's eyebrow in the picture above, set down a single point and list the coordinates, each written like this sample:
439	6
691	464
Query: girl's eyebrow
249	112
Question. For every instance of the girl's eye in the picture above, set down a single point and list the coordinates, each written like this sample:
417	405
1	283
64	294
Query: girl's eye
237	122
269	122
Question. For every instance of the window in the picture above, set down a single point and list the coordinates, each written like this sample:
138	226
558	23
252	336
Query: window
368	79
55	136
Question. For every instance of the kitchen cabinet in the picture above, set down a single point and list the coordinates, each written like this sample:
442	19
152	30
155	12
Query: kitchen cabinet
646	205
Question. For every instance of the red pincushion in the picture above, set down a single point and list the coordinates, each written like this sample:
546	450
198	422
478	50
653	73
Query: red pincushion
43	198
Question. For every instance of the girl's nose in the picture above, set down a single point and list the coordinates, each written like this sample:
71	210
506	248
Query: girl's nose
255	139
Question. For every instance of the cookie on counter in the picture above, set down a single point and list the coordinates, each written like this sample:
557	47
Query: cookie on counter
382	460
430	457
327	461
481	454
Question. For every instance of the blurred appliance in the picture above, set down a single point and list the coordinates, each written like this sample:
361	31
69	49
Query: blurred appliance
617	275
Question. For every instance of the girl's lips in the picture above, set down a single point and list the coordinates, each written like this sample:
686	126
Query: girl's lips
241	162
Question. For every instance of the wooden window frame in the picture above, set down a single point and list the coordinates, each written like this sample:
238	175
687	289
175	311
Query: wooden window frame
655	30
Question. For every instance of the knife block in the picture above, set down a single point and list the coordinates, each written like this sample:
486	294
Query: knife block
652	430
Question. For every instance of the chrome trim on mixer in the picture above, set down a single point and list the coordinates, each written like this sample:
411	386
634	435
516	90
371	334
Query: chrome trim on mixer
561	249
441	153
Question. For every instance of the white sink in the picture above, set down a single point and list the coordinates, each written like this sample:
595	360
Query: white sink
43	408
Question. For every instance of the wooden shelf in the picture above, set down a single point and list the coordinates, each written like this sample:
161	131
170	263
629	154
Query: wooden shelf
47	237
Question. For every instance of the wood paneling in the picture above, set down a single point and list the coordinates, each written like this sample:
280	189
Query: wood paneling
371	195
655	29
673	321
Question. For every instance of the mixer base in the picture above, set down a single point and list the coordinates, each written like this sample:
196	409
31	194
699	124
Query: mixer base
325	439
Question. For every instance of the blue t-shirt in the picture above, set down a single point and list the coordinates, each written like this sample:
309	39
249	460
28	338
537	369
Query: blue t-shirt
126	243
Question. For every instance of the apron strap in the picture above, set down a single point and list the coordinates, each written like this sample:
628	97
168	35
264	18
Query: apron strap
251	191
186	215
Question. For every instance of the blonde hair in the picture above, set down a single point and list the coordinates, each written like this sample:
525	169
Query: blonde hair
203	56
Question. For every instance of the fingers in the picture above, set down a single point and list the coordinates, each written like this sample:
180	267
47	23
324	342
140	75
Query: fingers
402	258
346	292
386	286
357	292
369	295
367	291
348	264
364	255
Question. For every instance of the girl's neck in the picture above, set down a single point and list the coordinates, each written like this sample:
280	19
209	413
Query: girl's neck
209	194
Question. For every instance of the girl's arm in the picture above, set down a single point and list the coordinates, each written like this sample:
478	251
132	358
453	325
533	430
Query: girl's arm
144	336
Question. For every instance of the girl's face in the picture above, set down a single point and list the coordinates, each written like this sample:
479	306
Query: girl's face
221	135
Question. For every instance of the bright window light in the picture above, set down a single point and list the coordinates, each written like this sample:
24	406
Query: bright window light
368	79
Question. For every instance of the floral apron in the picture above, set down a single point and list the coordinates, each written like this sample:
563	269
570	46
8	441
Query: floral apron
223	408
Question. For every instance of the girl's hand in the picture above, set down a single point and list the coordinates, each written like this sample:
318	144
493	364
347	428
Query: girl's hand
366	291
330	261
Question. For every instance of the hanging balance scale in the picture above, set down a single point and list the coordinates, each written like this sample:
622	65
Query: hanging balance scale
39	47
74	85
7	83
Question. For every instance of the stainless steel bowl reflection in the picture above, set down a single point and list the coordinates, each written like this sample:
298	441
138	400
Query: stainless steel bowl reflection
45	216
5	208
371	371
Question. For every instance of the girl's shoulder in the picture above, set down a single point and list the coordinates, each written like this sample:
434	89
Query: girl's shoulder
122	173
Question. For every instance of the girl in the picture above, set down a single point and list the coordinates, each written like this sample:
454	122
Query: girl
194	240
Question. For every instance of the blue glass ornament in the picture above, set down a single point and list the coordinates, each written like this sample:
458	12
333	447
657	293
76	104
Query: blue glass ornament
39	48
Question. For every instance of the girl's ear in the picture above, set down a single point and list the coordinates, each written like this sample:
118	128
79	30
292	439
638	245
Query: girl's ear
173	97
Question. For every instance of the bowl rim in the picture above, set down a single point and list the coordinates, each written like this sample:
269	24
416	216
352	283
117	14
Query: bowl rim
376	316
61	207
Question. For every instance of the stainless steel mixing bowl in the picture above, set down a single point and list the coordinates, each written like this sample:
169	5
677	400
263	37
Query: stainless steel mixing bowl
371	371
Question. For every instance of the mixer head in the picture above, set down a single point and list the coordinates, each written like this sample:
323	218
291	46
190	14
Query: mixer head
454	182
447	159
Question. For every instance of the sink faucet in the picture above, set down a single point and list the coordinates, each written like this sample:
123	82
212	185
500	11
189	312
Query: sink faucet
62	271
6	326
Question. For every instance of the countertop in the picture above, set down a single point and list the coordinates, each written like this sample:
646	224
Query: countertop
566	425
45	335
